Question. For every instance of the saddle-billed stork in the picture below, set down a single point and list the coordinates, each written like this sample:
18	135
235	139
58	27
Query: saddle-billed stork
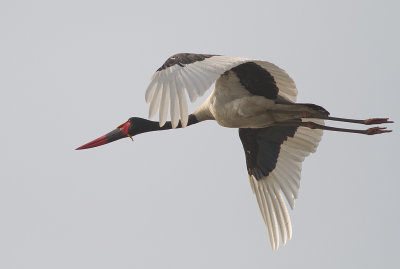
258	98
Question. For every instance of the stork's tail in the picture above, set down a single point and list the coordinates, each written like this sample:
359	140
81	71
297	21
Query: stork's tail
319	110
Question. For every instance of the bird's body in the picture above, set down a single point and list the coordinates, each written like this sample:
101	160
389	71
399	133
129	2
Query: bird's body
231	105
258	98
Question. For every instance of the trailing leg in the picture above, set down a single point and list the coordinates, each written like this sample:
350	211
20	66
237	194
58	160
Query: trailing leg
313	125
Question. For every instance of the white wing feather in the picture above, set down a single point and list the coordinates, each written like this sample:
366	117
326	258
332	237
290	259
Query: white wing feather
284	179
196	78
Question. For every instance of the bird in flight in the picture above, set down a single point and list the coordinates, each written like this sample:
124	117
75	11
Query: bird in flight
259	99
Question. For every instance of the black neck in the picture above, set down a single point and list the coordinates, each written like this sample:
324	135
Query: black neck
144	126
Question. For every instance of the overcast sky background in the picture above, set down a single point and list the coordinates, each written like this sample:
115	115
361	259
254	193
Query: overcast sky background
71	71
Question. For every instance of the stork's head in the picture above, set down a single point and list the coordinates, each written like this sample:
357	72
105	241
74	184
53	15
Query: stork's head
128	129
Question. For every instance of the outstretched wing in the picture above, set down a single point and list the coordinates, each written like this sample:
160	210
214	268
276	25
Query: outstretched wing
196	73
274	156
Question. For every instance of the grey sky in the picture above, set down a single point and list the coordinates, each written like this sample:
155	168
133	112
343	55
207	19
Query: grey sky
74	70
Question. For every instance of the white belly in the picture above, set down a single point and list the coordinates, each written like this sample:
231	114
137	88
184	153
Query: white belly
249	112
233	106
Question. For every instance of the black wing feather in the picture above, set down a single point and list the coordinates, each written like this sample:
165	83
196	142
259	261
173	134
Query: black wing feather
262	146
182	59
257	80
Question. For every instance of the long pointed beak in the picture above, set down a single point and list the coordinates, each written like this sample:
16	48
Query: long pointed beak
120	132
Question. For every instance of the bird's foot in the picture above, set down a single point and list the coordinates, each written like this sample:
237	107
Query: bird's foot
377	130
377	121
